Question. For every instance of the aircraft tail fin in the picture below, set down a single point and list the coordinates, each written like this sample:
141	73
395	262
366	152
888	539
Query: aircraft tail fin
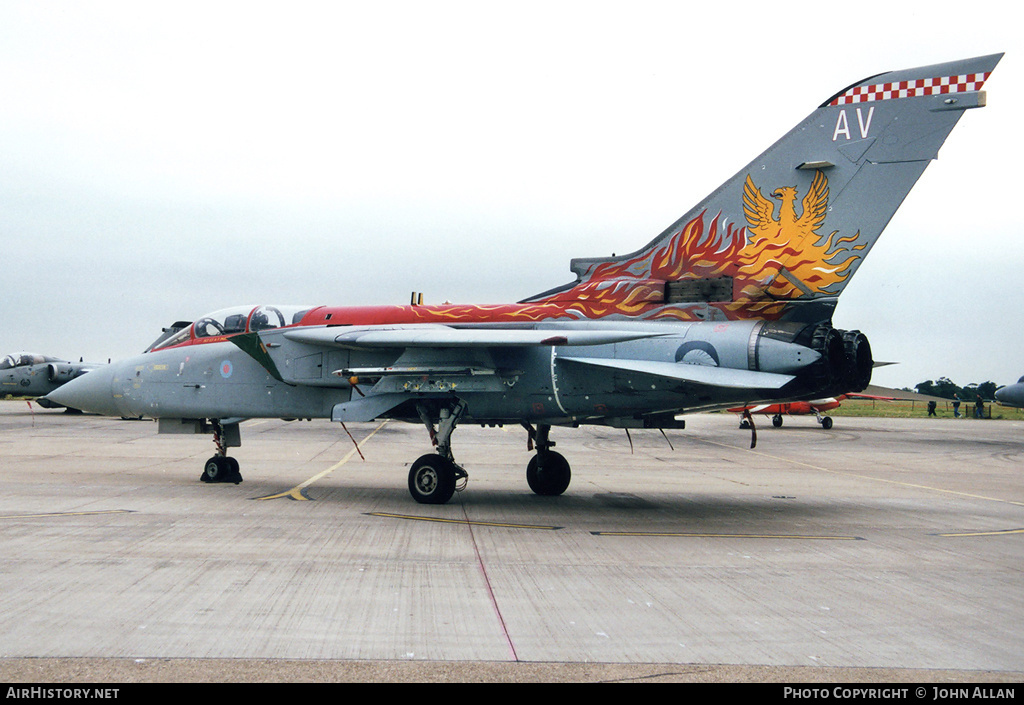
783	237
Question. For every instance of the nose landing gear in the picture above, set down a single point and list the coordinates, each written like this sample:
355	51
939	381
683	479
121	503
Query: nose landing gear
221	468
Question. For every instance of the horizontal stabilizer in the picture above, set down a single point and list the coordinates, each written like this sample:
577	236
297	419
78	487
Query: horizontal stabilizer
436	336
697	374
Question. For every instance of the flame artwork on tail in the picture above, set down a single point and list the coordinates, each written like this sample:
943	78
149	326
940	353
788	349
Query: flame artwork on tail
783	237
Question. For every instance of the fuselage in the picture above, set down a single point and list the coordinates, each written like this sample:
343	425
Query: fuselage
248	362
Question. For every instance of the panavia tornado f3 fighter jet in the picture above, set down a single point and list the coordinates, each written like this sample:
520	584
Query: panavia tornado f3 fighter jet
1012	394
731	305
33	375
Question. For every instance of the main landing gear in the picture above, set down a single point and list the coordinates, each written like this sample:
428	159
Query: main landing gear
825	421
435	477
221	468
548	472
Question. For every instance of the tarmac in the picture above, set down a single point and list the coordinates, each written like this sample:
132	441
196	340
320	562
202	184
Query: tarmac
882	550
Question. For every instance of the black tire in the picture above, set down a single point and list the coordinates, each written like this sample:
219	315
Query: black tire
432	479
550	479
215	470
234	473
826	423
777	421
221	468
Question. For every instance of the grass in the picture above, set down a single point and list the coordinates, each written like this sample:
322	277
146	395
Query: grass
919	409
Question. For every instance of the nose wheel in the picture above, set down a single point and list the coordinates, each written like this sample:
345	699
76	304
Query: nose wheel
221	468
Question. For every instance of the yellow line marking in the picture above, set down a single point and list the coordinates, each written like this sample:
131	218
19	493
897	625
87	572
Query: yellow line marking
66	514
504	525
866	477
725	536
1000	532
298	492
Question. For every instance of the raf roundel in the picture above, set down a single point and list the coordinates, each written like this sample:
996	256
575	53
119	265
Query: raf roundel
226	369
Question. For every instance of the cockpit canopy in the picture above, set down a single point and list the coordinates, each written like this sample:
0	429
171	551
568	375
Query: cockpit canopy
240	319
24	359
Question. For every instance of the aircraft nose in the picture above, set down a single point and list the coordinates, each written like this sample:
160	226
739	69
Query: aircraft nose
89	392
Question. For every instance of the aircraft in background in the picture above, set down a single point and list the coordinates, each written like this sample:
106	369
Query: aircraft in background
731	305
793	408
799	408
1012	394
34	375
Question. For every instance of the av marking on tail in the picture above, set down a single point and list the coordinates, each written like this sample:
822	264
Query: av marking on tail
843	125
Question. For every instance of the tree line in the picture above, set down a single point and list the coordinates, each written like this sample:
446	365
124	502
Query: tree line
945	388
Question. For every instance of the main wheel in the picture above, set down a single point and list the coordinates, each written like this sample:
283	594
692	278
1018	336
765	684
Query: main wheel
550	478
777	421
432	479
826	423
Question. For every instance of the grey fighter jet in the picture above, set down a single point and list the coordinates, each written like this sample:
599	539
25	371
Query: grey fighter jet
34	375
1011	394
731	305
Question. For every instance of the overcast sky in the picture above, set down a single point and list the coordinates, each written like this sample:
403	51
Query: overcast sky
159	161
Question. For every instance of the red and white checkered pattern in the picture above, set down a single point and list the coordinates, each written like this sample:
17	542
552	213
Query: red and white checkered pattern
911	89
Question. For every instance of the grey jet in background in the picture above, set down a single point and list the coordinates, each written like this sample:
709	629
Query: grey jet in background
1011	394
33	375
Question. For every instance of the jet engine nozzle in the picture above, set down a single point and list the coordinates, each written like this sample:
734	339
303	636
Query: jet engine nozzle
845	365
858	359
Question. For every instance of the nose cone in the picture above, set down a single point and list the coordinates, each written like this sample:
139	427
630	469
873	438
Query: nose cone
89	392
1012	395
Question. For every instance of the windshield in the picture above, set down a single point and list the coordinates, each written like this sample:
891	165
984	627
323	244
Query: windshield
239	319
24	359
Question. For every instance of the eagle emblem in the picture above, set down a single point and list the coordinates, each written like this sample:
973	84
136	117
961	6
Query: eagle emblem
785	254
786	227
